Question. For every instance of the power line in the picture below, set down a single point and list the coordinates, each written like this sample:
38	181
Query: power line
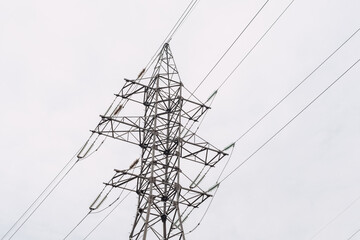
288	123
296	87
77	224
41	194
176	26
214	94
169	36
170	94
248	53
92	209
231	45
334	218
217	185
188	13
107	215
244	58
75	155
354	234
174	29
212	98
61	179
233	145
280	130
292	90
49	187
281	99
276	105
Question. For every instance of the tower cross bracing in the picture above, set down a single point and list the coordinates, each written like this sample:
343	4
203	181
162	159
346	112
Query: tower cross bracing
167	145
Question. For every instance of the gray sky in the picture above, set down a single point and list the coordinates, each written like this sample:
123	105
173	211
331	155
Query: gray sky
61	62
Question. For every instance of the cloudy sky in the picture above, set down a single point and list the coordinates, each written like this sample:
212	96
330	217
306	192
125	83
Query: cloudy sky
61	62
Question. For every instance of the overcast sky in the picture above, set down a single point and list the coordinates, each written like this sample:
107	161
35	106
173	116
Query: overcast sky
61	62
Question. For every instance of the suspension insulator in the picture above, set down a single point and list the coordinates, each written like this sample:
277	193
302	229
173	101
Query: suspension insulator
134	164
211	96
82	149
116	112
87	151
194	184
213	187
99	204
141	73
92	205
230	146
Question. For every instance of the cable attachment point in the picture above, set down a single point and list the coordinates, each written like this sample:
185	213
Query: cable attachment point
230	146
196	182
134	164
211	96
83	149
213	187
141	74
95	201
118	109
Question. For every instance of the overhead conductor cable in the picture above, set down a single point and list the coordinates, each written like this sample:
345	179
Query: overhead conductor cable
290	121
287	95
229	48
169	36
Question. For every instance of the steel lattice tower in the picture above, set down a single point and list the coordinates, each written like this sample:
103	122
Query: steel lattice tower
167	143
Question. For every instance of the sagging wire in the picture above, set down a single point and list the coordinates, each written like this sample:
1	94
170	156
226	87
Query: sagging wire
132	167
214	94
143	72
290	121
231	45
188	13
96	204
214	187
218	182
232	146
354	234
297	86
336	217
168	38
257	43
77	225
287	95
54	180
176	26
91	209
224	54
41	194
106	216
96	149
211	99
46	196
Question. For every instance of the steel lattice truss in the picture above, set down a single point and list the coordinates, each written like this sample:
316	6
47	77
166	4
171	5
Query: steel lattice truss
167	144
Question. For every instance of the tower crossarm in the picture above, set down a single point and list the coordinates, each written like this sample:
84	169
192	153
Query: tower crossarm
196	149
132	87
128	129
188	197
193	110
164	179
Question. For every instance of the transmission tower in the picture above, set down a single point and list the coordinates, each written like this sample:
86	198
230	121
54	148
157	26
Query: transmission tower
166	193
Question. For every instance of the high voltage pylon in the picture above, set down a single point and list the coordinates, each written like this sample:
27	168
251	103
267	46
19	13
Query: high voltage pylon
165	181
